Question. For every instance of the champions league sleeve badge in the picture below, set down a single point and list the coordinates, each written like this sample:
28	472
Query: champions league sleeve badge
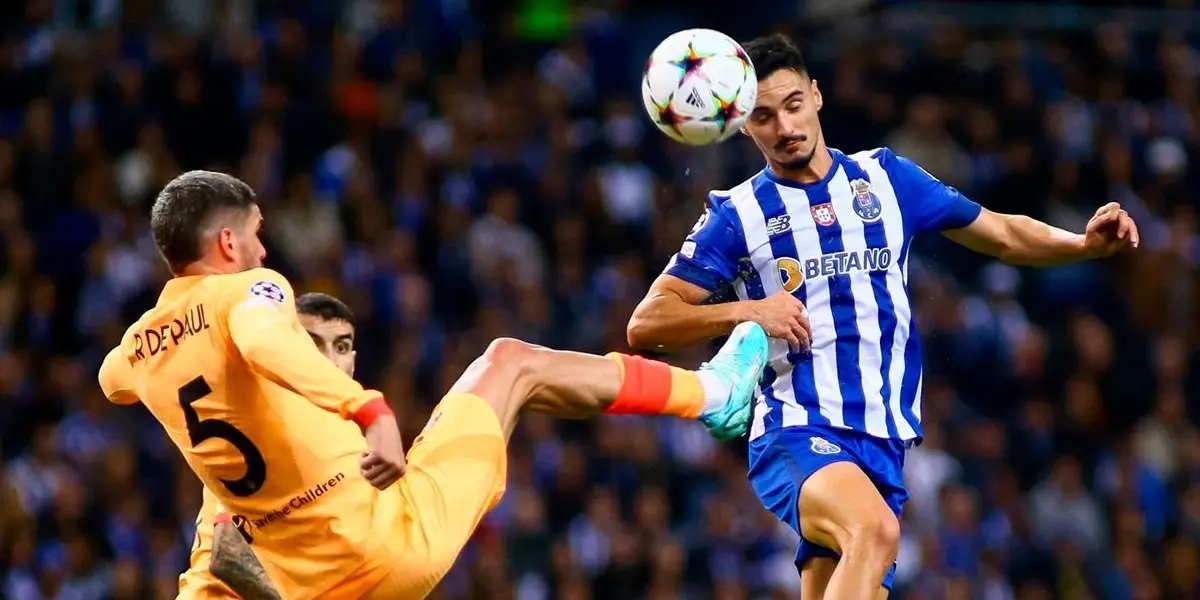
268	290
866	203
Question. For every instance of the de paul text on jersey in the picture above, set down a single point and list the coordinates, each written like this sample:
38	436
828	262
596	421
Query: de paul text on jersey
154	340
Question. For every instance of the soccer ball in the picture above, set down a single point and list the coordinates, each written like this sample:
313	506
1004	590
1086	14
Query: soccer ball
699	86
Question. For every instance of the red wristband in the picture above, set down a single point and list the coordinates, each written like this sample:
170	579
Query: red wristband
223	517
371	411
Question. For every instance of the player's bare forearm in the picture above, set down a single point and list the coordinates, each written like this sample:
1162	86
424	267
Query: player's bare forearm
1021	240
671	317
236	565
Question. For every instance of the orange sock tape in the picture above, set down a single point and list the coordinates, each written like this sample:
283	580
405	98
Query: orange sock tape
645	386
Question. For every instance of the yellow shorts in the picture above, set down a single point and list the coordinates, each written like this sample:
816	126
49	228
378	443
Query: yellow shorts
201	585
456	473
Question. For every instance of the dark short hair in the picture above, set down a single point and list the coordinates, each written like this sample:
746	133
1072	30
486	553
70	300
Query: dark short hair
324	307
772	53
187	207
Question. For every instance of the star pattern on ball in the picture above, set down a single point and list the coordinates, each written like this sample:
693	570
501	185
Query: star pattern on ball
690	62
727	112
667	117
741	54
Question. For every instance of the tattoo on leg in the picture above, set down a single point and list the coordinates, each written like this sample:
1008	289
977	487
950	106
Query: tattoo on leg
235	564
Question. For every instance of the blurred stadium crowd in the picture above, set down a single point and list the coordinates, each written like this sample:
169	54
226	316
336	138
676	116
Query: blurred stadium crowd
458	175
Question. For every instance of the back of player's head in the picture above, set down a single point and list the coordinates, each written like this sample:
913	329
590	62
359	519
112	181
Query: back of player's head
188	207
324	307
773	53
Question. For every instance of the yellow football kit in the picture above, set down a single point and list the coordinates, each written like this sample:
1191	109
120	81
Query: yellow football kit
223	364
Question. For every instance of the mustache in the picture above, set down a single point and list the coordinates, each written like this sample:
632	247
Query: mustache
781	144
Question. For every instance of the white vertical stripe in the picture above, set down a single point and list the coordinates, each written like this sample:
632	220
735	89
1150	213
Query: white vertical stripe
793	414
916	408
866	310
893	221
758	425
758	247
824	335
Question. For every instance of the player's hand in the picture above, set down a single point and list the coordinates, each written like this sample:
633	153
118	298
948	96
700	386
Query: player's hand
383	463
783	317
1109	230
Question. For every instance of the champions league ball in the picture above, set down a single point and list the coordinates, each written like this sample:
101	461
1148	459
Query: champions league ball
699	87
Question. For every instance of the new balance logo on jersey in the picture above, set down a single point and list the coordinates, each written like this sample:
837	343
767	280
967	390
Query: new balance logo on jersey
779	224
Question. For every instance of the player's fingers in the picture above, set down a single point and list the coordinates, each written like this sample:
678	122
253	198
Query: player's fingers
379	477
1123	225
1135	237
805	324
374	464
384	478
802	335
1105	217
368	460
381	480
793	341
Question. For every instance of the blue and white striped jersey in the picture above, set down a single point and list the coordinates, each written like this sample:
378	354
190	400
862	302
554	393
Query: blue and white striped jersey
841	247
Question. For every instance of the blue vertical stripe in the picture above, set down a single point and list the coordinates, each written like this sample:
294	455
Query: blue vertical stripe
845	323
746	271
906	196
876	237
774	416
804	381
912	377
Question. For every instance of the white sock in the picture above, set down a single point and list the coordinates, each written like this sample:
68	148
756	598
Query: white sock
716	389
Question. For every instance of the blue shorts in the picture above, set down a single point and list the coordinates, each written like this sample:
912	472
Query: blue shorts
782	460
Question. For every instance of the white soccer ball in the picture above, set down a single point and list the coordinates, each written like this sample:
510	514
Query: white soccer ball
699	86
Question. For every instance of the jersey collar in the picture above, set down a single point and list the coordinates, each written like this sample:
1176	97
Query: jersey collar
837	157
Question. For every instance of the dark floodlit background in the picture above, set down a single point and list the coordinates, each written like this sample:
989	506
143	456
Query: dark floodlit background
459	170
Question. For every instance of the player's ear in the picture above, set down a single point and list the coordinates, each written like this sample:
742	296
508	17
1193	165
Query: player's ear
227	243
353	361
818	99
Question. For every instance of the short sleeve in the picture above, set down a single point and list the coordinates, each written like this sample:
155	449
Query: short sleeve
115	379
257	300
709	255
927	204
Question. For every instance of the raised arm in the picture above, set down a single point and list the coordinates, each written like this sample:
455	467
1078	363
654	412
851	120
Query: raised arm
266	331
928	205
1021	240
263	325
678	310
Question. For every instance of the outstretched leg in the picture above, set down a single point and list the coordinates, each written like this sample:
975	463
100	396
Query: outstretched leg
457	466
513	375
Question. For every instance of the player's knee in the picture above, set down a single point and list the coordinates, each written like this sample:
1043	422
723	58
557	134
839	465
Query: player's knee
876	535
510	353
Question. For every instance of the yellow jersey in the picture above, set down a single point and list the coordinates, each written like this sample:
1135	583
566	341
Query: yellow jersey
260	415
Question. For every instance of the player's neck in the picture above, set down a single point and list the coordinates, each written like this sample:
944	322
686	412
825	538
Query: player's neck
813	172
206	267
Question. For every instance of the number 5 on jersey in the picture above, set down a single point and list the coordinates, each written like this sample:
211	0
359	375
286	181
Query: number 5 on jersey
207	429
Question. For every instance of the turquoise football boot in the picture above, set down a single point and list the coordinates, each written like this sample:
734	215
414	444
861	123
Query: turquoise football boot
739	364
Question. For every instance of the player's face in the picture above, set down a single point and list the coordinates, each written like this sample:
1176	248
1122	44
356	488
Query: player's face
784	122
334	338
249	251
